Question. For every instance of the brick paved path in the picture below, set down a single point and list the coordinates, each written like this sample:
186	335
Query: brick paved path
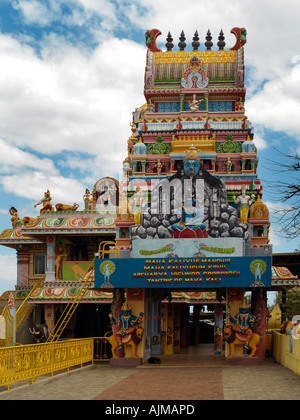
267	380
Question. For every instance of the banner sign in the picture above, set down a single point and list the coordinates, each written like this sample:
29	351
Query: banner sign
183	272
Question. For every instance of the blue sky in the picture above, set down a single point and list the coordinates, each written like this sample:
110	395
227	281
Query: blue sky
72	72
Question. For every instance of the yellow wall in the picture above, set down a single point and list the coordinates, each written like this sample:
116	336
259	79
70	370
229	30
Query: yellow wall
274	322
281	352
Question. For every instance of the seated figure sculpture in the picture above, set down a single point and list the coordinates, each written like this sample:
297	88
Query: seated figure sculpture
243	322
190	220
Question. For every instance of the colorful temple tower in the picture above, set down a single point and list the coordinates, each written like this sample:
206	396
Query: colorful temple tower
185	226
193	192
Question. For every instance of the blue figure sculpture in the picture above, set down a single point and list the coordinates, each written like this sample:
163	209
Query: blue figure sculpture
192	216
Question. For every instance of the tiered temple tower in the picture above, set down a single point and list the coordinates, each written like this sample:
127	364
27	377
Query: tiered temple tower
196	98
187	220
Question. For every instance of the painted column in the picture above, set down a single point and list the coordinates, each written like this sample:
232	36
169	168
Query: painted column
49	316
153	326
259	309
22	265
11	338
196	327
218	328
206	100
182	102
234	299
143	163
50	270
118	300
137	302
184	333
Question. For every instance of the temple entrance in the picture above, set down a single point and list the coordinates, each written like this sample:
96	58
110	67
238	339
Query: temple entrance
185	331
192	356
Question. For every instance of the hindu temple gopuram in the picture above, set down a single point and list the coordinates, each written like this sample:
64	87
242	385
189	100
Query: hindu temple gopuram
185	228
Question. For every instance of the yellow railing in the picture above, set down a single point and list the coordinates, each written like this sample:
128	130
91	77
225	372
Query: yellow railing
24	309
105	251
80	291
71	306
21	313
27	362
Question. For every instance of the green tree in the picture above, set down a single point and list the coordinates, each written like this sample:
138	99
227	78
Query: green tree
285	189
289	301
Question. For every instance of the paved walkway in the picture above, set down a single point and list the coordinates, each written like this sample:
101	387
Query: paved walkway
176	378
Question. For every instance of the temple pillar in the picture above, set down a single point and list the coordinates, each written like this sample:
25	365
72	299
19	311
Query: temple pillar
218	328
196	316
118	300
153	326
182	102
50	316
136	300
50	268
206	100
22	265
234	299
259	309
184	323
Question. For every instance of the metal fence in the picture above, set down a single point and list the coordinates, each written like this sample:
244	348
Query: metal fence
27	362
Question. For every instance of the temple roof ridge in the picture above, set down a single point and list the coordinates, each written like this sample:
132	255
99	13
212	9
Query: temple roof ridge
152	35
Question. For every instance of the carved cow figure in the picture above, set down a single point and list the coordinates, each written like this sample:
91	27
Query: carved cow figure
66	207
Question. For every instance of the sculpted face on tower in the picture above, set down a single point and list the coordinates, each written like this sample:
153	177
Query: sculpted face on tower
191	163
191	167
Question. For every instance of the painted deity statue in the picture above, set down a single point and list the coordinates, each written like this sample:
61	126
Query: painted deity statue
243	322
159	166
46	202
244	201
87	199
136	204
15	219
194	104
126	324
192	216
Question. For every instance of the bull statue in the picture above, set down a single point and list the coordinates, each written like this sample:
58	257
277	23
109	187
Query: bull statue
40	333
66	207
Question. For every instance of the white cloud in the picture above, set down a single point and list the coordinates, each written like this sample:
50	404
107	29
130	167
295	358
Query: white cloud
33	11
69	100
13	158
277	105
32	185
259	138
8	272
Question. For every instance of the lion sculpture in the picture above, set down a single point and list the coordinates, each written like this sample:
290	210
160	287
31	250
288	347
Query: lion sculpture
133	339
233	338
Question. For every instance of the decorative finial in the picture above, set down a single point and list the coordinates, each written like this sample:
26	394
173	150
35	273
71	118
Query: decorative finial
150	39
182	43
11	301
169	43
191	153
196	43
221	44
208	42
